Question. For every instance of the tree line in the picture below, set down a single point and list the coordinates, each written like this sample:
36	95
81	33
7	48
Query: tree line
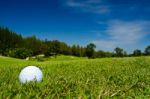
14	45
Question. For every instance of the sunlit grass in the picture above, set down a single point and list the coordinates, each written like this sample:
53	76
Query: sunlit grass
80	78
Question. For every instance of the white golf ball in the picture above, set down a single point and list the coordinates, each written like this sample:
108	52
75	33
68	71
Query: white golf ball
30	73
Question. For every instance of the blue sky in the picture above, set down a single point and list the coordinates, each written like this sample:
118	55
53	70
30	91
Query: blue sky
107	23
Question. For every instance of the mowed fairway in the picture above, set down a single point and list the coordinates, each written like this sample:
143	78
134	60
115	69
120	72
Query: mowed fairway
79	79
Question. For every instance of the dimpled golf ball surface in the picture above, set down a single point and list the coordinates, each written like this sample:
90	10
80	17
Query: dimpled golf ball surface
30	73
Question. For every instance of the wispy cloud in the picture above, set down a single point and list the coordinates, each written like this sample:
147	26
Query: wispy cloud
126	34
94	6
123	34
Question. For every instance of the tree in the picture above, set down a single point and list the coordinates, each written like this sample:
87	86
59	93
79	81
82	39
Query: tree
125	54
9	40
137	52
147	50
13	42
54	48
90	49
20	53
83	51
119	52
33	44
102	54
76	50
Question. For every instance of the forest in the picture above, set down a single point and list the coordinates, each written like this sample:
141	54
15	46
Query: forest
15	45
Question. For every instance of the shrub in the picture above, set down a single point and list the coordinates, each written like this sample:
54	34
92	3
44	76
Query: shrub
20	53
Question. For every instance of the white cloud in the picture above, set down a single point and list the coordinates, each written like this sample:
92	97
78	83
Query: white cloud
94	6
123	34
72	3
94	1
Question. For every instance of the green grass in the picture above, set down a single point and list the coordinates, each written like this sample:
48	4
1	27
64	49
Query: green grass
57	58
126	78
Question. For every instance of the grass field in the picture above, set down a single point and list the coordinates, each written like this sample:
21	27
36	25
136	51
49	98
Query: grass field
121	78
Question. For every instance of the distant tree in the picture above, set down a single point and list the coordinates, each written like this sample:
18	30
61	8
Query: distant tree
137	52
125	54
9	40
43	48
68	50
13	42
76	50
33	44
147	50
119	52
102	54
90	50
20	53
54	48
83	51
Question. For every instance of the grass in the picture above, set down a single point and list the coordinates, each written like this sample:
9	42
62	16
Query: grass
127	78
57	58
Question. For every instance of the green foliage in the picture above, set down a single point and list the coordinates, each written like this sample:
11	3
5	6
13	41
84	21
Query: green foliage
90	49
118	78
21	53
137	52
102	54
41	59
10	41
54	48
78	51
33	44
147	50
119	52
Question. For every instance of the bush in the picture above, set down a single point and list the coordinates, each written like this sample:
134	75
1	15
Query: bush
40	59
20	53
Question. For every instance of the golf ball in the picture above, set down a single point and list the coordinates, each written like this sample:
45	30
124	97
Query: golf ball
30	73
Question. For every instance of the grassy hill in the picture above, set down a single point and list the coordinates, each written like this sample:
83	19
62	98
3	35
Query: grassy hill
69	78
